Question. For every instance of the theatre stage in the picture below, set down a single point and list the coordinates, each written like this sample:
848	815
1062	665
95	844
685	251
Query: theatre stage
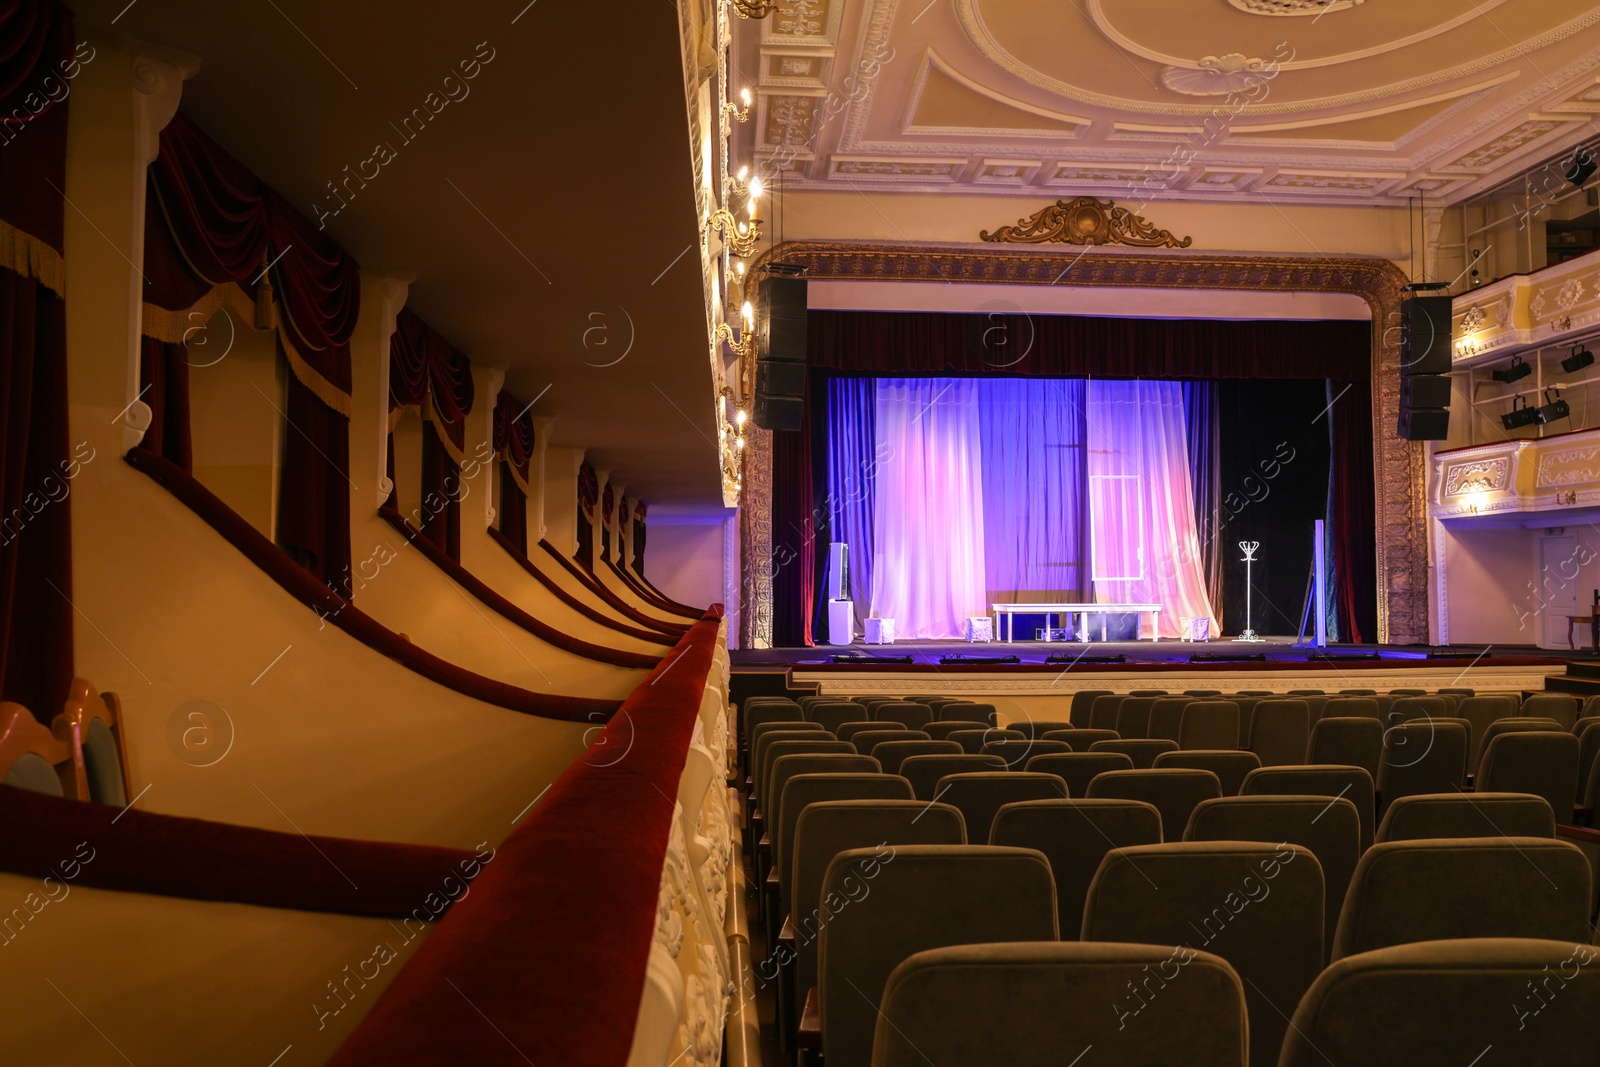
1039	688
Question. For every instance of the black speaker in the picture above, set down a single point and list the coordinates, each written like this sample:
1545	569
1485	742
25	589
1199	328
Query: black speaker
778	412
781	319
1425	391
1424	424
1425	344
778	379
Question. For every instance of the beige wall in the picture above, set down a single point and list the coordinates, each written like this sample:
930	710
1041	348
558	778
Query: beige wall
561	498
236	404
685	561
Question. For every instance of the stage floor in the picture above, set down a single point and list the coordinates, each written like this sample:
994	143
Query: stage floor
1275	649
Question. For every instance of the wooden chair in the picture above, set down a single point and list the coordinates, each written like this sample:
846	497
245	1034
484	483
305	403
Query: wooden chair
90	725
30	755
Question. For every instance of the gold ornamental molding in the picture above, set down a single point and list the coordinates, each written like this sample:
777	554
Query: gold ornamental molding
1085	220
1400	507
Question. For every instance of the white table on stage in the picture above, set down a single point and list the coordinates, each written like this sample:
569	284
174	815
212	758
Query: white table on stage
1003	616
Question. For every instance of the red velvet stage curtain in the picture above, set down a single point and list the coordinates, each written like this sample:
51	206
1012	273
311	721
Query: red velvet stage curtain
1072	346
37	463
429	373
588	498
218	238
1354	521
606	504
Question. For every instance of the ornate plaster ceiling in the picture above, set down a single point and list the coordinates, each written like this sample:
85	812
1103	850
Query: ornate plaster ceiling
1357	101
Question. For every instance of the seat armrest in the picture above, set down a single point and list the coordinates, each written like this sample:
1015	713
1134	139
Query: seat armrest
772	884
786	935
810	1037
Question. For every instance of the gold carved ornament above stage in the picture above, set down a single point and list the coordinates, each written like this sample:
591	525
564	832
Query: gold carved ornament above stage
1085	220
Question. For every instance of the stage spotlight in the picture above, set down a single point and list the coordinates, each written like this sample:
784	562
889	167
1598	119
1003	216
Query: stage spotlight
1553	410
1517	371
1581	357
1580	168
1520	415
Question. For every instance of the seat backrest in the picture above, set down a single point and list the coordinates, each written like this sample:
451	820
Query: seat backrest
91	725
769	710
1258	905
1082	702
1467	815
786	768
1350	707
1446	1003
1166	715
853	731
1209	724
1080	740
835	714
1103	712
1330	829
1075	836
1318	780
1247	713
939	703
1562	707
816	787
1202	693
772	734
1035	729
1174	791
1358	692
1514	724
1436	888
893	753
1541	762
1078	769
31	757
1349	739
933	1000
1133	716
907	713
1280	731
924	772
1480	712
867	740
1588	750
973	741
984	894
830	827
982	794
799	746
941	731
1017	753
966	709
1408	692
1143	753
1421	756
789	729
1229	767
1407	708
1148	693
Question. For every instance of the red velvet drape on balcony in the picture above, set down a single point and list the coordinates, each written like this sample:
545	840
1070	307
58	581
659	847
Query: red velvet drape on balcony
37	463
513	446
588	499
429	373
217	237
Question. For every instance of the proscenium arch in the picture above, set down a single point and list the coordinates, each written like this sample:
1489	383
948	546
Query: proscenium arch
1398	465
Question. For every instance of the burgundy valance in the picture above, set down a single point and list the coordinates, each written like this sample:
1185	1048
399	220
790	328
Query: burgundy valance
218	235
607	502
513	435
1076	346
429	372
37	65
588	491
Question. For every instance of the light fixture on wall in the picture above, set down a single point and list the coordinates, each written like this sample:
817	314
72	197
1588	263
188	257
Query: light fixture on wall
1581	357
753	9
1520	414
739	111
1552	410
1516	372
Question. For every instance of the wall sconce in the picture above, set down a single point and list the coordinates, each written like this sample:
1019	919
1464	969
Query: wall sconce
741	110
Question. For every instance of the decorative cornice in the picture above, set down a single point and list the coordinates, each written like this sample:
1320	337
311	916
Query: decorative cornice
1085	220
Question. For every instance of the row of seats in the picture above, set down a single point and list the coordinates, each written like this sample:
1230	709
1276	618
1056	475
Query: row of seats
828	801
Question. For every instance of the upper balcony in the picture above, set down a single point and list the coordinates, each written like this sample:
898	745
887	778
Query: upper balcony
1517	478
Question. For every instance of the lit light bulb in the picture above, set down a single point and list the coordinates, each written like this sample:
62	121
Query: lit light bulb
755	191
739	269
748	313
739	418
744	173
744	95
738	442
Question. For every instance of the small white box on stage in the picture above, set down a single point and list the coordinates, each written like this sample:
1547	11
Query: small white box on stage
980	629
1195	628
841	622
880	631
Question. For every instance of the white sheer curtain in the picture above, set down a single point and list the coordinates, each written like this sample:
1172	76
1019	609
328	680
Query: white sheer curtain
928	560
1144	546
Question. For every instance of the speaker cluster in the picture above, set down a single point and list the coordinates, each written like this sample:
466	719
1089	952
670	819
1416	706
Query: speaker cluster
1425	355
781	371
